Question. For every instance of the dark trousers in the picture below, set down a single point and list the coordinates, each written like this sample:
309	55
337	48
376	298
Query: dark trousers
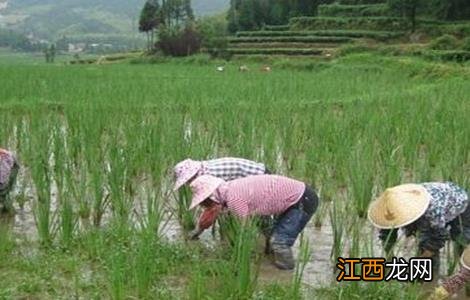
290	224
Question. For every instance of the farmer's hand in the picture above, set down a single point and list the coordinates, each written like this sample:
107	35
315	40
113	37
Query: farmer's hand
439	293
208	217
194	235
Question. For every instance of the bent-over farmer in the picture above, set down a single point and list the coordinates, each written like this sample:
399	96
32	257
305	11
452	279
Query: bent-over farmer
455	283
8	171
426	210
226	168
292	202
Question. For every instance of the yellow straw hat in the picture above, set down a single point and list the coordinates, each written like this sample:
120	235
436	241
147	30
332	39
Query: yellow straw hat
399	206
465	259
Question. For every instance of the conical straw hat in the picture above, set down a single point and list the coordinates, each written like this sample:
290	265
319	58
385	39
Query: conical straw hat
399	206
465	260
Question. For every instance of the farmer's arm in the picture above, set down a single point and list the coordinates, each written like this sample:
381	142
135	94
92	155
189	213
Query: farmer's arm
388	238
207	219
452	285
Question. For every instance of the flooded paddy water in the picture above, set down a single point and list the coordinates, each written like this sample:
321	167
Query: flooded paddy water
320	270
94	217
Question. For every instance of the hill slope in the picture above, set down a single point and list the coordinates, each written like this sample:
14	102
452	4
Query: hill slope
52	18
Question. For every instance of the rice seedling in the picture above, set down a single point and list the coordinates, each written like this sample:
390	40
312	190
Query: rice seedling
241	277
98	143
185	217
302	260
338	230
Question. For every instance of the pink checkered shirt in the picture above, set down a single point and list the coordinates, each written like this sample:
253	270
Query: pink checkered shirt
261	195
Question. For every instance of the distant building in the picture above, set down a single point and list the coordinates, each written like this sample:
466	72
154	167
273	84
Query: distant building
76	48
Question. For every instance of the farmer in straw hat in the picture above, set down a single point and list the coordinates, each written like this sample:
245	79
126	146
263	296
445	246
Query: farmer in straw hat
8	171
453	284
428	209
291	201
227	168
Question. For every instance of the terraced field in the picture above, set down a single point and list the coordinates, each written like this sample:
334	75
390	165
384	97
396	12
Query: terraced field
320	36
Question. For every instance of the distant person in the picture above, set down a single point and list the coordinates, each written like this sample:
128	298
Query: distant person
243	68
455	283
425	210
292	203
226	168
8	171
266	69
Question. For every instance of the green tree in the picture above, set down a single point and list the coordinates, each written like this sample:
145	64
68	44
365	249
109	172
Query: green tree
149	20
233	16
247	15
458	10
176	12
408	9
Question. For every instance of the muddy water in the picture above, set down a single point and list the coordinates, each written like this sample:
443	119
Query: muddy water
319	270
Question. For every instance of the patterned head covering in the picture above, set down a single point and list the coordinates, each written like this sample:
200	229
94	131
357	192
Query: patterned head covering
184	171
202	187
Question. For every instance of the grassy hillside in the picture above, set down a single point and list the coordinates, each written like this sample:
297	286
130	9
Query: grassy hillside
51	18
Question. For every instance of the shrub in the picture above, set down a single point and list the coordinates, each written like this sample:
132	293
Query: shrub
360	23
447	55
380	35
353	48
445	42
277	51
179	42
214	35
466	44
276	27
457	29
291	39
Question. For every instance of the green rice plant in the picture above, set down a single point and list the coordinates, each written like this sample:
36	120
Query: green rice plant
7	243
365	290
144	263
41	175
118	182
117	272
229	228
337	225
302	260
241	278
361	176
185	216
355	238
103	139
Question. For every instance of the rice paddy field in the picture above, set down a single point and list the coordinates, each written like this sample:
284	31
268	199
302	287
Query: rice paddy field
95	214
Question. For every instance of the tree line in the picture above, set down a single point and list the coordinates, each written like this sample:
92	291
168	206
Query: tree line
254	14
